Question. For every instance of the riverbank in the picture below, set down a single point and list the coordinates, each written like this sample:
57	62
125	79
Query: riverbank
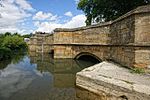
112	82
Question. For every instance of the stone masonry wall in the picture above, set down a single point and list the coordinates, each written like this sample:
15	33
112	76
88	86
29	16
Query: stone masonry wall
41	43
85	35
125	39
122	31
123	54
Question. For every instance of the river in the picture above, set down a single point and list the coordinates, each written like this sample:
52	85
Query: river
39	77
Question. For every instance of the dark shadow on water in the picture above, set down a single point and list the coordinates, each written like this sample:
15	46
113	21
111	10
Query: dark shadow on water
16	58
4	63
87	60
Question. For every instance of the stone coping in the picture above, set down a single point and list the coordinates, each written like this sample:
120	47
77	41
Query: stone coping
82	28
113	79
40	44
138	10
96	44
103	44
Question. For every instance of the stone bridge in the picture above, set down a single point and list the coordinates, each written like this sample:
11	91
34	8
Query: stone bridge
125	40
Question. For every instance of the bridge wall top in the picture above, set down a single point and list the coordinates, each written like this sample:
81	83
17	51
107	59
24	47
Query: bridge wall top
38	39
129	29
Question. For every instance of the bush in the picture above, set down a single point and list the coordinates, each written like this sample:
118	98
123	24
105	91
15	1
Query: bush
9	44
14	42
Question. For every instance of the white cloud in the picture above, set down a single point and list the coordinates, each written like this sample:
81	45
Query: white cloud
76	21
53	18
69	14
44	16
24	4
41	16
15	12
46	26
12	14
9	29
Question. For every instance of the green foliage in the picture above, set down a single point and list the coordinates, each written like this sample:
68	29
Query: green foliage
17	57
10	43
7	33
106	10
17	34
27	36
138	70
14	42
1	39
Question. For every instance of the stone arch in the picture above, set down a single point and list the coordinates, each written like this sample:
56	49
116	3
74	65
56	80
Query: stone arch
87	54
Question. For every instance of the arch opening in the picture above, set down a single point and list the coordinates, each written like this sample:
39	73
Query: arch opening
87	59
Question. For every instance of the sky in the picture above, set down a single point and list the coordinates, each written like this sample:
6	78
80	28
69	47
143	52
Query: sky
29	16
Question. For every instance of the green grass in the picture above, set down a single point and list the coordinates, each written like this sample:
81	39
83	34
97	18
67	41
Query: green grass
138	70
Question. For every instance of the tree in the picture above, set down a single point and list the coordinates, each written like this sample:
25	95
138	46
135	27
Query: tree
17	34
26	36
106	10
7	33
14	42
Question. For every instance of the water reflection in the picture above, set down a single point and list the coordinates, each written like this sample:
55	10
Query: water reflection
39	77
3	64
14	59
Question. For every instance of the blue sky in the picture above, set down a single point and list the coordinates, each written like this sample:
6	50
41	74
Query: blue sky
26	16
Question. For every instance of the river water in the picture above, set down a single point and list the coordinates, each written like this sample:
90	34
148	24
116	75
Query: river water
39	77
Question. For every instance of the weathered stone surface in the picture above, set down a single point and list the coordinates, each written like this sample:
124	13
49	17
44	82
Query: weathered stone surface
41	42
114	82
142	28
83	94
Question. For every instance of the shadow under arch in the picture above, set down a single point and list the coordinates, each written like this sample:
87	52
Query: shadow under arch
86	59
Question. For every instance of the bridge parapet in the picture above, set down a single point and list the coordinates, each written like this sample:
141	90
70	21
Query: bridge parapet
96	34
129	29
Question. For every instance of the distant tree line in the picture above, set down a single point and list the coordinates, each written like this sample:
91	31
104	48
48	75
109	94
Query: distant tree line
106	10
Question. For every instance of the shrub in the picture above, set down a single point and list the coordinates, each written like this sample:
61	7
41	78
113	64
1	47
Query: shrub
14	42
9	44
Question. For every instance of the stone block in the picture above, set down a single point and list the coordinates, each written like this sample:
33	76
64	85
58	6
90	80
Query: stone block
114	82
